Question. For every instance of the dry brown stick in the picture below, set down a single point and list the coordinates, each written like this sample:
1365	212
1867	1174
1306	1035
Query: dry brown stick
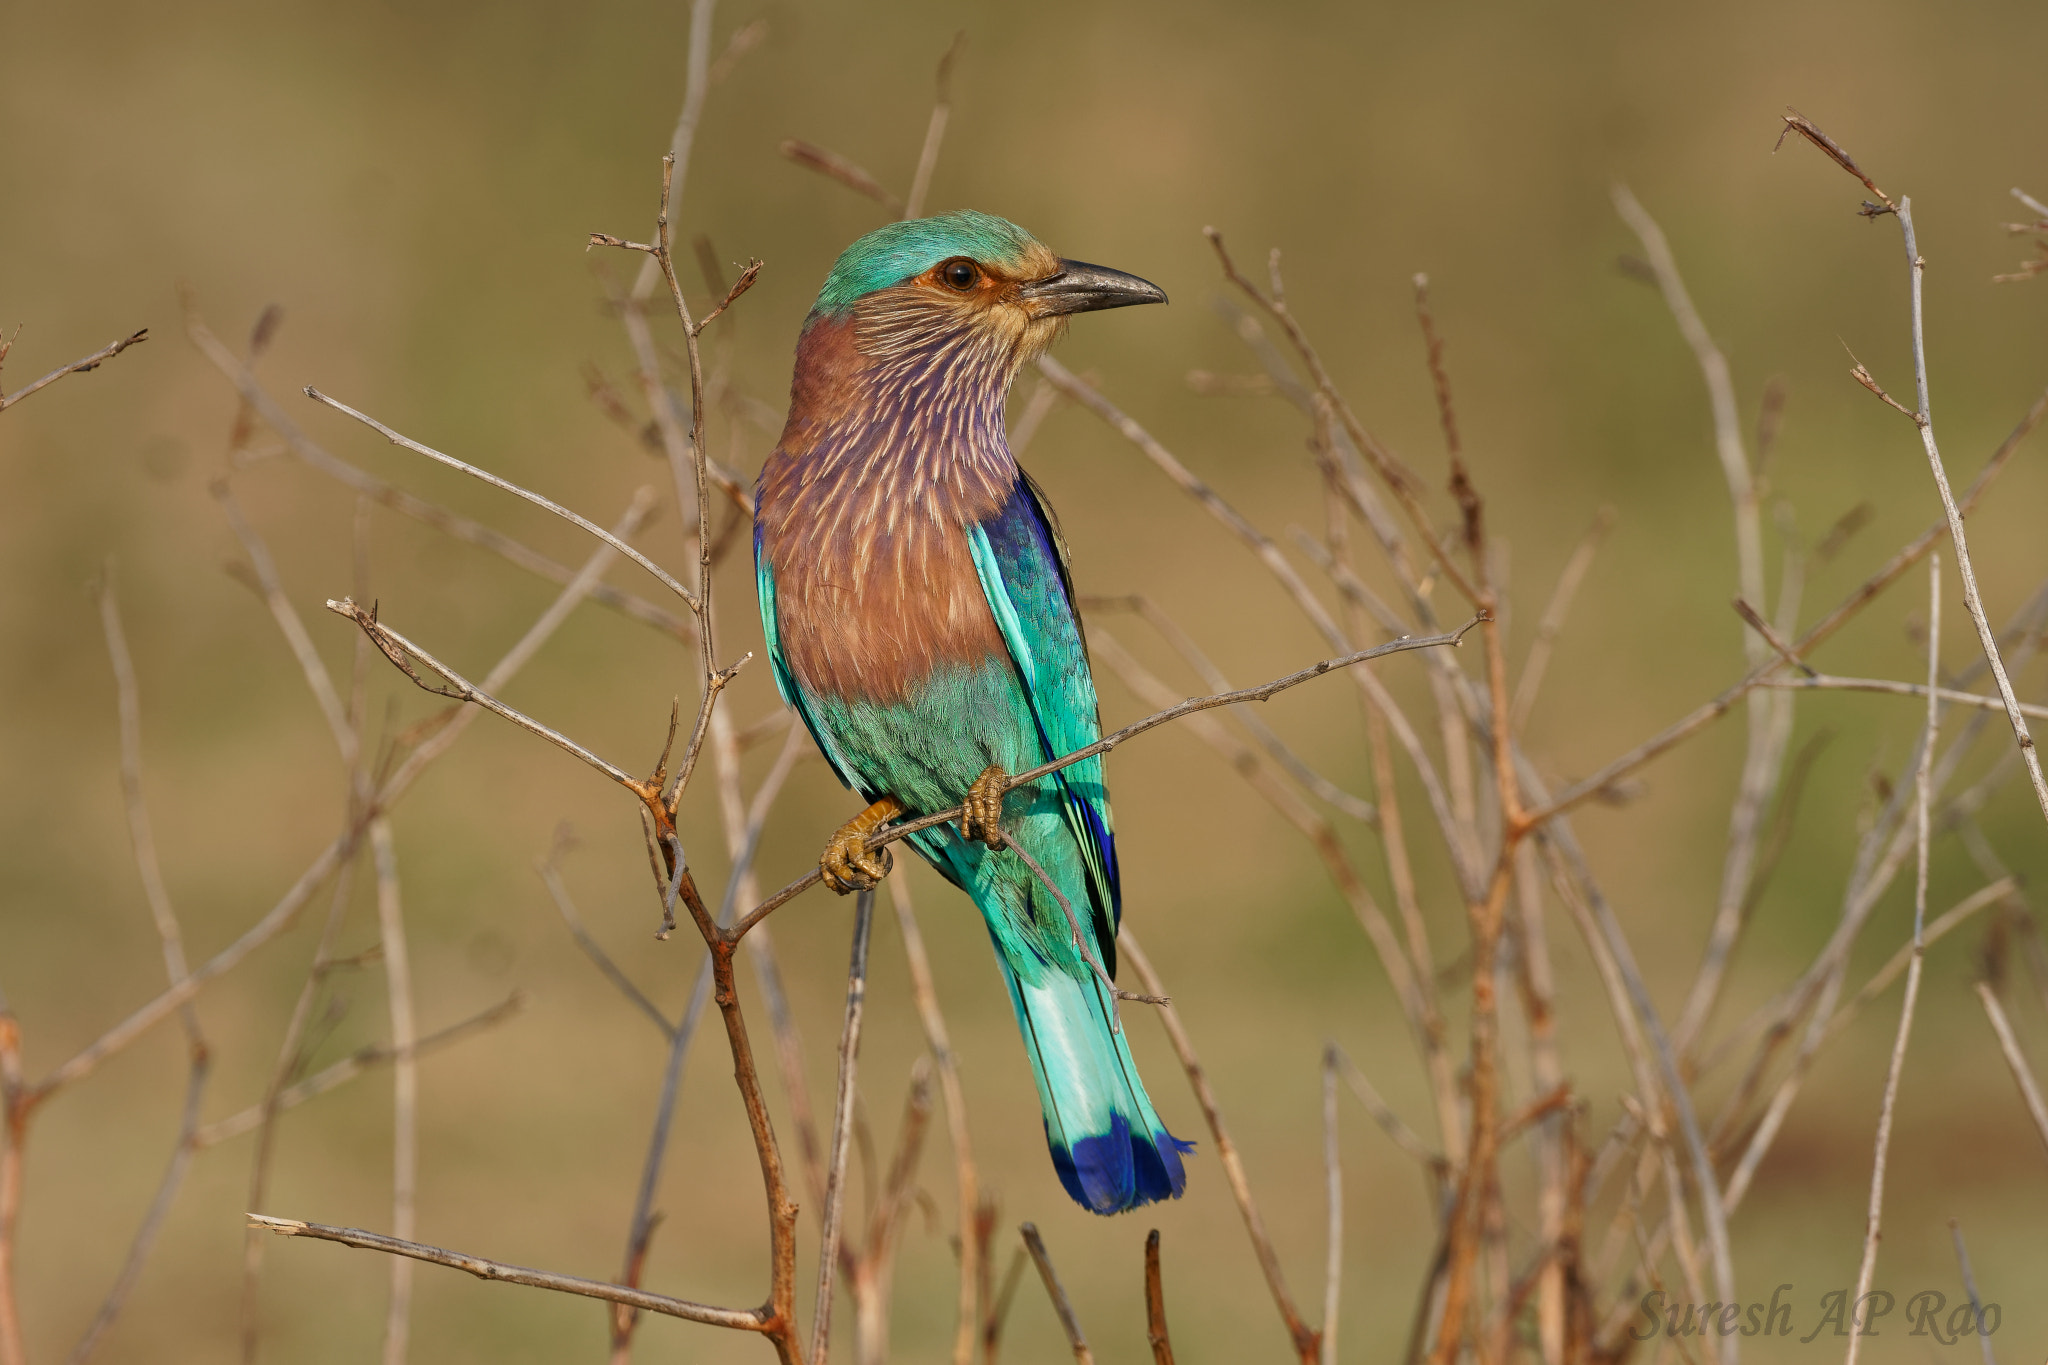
171	939
1398	480
833	166
870	1268
282	914
744	1319
1922	772
399	650
15	1108
1828	682
1465	856
966	1181
144	1242
79	366
1155	1304
1300	1334
842	1125
1213	678
1923	417
1987	640
935	131
1057	1292
1408	984
999	1303
697	83
1551	624
348	1068
2015	1060
449	523
289	624
661	575
405	1083
889	834
742	835
1390	1122
1887	574
1536	989
550	872
1333	1198
1769	726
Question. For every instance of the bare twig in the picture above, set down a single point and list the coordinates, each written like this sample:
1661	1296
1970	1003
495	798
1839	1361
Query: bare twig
1333	1197
1924	419
1069	1324
1898	1062
1155	1304
889	834
842	1125
2015	1060
833	166
350	1067
749	1320
1552	621
79	366
661	575
965	1176
404	1081
1827	682
1955	1230
1302	1336
935	131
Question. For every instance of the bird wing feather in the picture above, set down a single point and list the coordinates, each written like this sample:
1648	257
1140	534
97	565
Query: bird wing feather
1021	561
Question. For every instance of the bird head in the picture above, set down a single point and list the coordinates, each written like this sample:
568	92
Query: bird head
966	277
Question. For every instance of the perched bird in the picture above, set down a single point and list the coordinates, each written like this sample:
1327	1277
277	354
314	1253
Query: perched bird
920	619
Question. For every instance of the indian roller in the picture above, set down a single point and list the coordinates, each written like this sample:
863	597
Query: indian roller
920	620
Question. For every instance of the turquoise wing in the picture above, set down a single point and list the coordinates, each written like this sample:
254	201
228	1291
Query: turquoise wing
1022	562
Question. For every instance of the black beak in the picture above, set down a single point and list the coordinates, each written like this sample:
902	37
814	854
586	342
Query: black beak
1083	288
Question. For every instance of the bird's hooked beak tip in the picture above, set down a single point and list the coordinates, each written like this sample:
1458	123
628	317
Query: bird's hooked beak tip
1083	288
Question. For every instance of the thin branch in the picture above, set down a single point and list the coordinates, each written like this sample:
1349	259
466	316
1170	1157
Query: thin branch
1155	1304
967	1185
1537	662
1333	1198
1868	1268
661	575
400	651
404	1083
1299	1332
551	874
833	166
352	1066
1971	599
448	523
1955	1230
842	1125
935	131
747	1320
2015	1060
79	366
1828	682
889	834
1057	1292
159	1209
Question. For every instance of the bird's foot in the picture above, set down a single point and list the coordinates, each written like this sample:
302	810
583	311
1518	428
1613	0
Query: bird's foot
981	811
848	864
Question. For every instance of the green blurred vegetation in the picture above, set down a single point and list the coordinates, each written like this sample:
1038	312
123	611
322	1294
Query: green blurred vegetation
414	184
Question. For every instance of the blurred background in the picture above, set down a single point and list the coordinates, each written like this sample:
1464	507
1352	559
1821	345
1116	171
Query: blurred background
413	185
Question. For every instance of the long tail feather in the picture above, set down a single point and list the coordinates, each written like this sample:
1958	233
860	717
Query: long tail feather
1108	1144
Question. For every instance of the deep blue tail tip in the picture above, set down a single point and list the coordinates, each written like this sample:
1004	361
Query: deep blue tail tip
1114	1172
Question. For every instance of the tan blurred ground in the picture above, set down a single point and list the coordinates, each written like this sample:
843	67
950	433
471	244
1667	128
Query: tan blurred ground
414	184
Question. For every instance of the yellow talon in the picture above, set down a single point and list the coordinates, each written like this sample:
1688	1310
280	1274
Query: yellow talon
848	864
981	812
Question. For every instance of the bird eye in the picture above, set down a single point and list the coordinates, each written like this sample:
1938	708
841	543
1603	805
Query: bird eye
962	274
